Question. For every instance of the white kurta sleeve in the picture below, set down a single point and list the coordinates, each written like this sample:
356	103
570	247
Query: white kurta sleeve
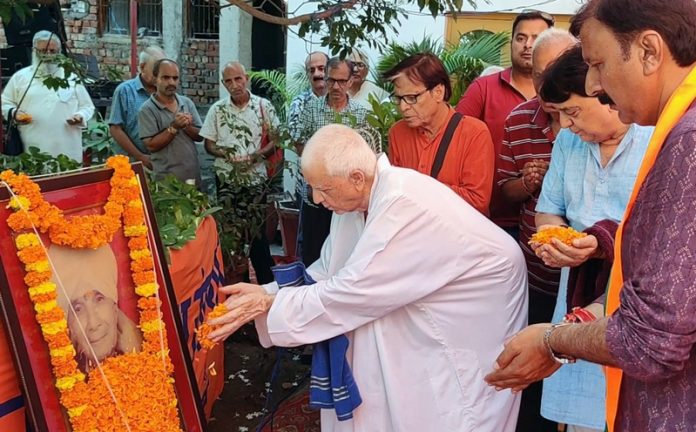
390	267
85	107
10	98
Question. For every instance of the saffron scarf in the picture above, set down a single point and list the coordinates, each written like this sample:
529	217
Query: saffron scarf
674	110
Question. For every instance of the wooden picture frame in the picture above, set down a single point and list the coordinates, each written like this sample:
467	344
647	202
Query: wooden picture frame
85	193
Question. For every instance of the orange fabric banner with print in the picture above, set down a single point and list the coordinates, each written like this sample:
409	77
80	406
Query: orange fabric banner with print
674	110
11	400
197	274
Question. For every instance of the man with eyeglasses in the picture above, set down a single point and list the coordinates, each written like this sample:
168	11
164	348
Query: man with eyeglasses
361	89
53	119
422	90
335	107
493	97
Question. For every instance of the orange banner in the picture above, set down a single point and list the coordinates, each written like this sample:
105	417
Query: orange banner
11	400
197	273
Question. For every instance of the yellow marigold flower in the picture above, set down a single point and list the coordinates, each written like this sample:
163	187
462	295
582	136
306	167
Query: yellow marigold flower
151	326
135	203
67	350
25	240
146	290
39	266
74	412
19	202
54	327
45	306
135	230
44	288
140	254
66	383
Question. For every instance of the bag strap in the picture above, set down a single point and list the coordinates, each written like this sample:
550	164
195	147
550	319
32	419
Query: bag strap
444	144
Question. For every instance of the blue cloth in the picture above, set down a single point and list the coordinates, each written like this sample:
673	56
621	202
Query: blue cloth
129	96
578	188
331	382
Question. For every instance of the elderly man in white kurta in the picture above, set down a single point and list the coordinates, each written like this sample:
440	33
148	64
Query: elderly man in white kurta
425	288
57	116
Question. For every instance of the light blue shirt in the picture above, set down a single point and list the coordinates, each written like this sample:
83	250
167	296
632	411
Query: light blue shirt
129	96
578	188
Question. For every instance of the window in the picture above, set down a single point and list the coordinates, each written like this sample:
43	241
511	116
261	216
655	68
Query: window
204	19
115	17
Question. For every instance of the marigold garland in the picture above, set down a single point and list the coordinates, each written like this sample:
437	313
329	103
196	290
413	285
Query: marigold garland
141	382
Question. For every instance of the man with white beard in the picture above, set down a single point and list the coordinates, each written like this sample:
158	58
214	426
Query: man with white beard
55	118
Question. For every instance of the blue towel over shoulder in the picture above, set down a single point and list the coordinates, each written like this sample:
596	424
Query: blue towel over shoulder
331	383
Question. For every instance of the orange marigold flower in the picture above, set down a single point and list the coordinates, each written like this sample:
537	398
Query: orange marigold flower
50	316
204	330
57	340
37	278
32	254
141	265
563	234
135	243
141	278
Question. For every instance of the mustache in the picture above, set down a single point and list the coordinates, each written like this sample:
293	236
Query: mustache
604	99
318	78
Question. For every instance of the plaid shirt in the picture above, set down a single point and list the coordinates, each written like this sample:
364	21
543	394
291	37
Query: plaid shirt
316	114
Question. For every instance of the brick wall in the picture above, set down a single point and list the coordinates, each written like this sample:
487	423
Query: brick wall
198	58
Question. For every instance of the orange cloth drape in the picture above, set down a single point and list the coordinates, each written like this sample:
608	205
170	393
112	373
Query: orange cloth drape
9	386
674	110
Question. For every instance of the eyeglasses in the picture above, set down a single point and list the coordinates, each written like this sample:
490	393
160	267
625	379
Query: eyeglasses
410	99
359	65
340	82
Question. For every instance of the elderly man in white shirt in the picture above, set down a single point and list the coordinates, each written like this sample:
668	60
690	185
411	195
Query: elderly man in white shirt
55	117
425	288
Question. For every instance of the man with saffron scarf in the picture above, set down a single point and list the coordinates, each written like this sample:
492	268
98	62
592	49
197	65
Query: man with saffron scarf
424	287
644	64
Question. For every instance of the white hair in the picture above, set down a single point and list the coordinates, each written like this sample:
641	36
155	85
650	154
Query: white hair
490	70
232	64
553	35
340	150
149	53
46	36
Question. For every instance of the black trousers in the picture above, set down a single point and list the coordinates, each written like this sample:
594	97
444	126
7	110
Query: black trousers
315	226
530	420
261	259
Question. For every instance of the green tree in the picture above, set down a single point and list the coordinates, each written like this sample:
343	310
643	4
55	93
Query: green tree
341	24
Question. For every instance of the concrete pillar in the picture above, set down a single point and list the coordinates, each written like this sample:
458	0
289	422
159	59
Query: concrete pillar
172	27
235	38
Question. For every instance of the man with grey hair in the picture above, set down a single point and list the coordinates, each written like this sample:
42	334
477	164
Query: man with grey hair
237	131
530	131
335	107
362	88
51	120
129	96
412	316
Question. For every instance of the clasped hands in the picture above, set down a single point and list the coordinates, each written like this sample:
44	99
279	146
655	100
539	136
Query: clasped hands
245	302
558	254
533	174
182	120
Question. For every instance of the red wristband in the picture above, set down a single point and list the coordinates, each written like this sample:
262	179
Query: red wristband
579	315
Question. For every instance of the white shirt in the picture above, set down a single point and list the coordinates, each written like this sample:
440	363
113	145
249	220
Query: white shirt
369	88
427	290
49	110
241	129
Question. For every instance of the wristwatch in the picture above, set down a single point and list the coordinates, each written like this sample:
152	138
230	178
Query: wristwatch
172	130
560	359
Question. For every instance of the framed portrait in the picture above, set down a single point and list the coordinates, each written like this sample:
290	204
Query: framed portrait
126	359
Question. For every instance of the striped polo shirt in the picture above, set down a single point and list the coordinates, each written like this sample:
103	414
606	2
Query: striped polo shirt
527	137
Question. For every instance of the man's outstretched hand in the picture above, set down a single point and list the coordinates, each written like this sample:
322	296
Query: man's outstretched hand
245	302
524	360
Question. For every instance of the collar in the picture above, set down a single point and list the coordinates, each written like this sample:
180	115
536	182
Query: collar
325	101
159	105
541	118
138	83
383	164
505	77
231	102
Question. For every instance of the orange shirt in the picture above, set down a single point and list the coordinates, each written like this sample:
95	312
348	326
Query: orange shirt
469	162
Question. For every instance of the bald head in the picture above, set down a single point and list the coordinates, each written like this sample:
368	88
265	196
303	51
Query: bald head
235	79
548	46
340	167
236	66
